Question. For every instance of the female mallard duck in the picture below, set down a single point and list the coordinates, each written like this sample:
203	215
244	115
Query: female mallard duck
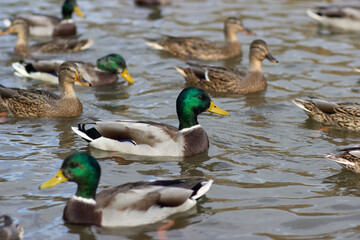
51	26
348	157
105	72
9	230
196	48
345	115
230	80
42	103
157	139
21	28
130	204
339	17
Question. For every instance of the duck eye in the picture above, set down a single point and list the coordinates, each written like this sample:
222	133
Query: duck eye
73	165
201	97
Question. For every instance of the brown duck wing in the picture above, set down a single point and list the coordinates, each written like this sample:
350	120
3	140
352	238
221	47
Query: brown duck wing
60	46
352	109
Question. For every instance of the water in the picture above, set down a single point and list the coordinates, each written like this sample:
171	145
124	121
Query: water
271	180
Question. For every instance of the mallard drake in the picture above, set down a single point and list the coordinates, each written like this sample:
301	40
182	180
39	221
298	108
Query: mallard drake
339	17
345	115
196	48
52	26
43	103
9	230
349	158
156	139
151	2
105	72
130	204
21	28
230	80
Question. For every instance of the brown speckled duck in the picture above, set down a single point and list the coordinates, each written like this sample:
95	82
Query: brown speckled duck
104	72
9	230
196	48
126	205
345	115
51	26
349	158
230	80
42	103
21	28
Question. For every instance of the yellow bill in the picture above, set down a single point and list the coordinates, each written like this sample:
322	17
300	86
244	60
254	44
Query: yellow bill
78	11
215	109
55	180
126	75
79	78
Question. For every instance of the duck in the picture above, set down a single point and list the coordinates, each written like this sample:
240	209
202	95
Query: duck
22	48
349	157
9	230
345	18
339	114
42	25
103	73
151	2
43	103
149	138
200	49
127	205
219	79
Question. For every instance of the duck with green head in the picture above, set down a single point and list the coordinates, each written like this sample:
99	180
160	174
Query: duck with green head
42	25
156	139
130	204
105	72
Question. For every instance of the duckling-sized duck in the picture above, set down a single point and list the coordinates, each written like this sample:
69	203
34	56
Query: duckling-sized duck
196	48
345	18
42	103
156	139
344	115
105	72
9	230
51	26
349	158
22	48
130	204
230	80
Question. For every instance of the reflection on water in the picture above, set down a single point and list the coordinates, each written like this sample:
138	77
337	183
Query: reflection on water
271	179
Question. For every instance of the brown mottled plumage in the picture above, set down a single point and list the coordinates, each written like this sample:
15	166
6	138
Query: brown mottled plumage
43	103
196	48
349	158
9	230
230	80
21	28
151	2
345	115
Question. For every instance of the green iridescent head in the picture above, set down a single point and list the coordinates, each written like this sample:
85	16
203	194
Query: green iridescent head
115	63
81	168
191	102
69	7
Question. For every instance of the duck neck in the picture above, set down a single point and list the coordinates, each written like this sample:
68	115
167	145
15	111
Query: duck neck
66	88
230	35
87	190
254	64
187	118
22	43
